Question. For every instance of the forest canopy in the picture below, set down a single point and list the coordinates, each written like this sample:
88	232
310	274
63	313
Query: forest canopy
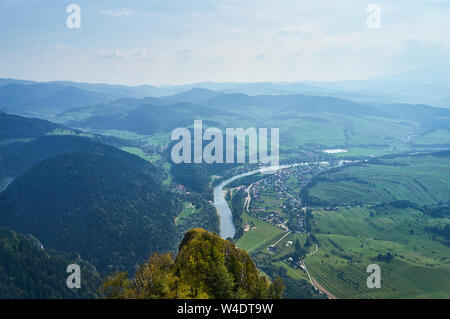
206	266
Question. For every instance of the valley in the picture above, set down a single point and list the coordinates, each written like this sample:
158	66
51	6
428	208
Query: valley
346	236
210	152
356	183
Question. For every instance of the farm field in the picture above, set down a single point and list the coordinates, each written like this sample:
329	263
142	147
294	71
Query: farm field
350	240
262	235
126	135
283	251
353	230
330	130
294	273
268	200
357	223
136	151
423	180
435	137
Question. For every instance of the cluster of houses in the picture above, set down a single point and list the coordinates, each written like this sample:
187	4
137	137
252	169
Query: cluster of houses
180	188
274	218
295	263
152	149
282	192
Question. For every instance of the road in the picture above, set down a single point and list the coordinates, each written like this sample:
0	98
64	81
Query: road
316	284
227	228
314	252
248	198
287	233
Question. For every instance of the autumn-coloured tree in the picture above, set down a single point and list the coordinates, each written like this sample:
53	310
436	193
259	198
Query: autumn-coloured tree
206	267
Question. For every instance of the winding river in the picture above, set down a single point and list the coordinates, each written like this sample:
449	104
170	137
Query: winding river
227	228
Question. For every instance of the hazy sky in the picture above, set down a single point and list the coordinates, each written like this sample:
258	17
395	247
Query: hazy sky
184	41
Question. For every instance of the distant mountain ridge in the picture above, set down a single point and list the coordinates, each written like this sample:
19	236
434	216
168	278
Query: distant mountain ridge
419	86
44	99
149	118
159	115
383	89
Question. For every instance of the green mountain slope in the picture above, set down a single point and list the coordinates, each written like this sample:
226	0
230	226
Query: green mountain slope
14	126
102	206
149	119
46	147
16	130
29	271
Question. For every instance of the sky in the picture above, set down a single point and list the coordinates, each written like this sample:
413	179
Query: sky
167	42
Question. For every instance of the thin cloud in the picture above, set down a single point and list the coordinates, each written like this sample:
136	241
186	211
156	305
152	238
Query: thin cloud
139	54
304	31
63	47
117	12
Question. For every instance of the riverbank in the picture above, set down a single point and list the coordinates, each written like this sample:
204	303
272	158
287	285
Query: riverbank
227	228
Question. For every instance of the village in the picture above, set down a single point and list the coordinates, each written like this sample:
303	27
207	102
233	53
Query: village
276	198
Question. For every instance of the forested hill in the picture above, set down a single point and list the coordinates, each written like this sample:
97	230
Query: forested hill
15	126
17	130
206	267
46	147
29	271
100	205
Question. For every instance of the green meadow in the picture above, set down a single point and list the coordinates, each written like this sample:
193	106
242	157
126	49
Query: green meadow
350	240
424	180
353	232
435	137
188	209
136	151
263	235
